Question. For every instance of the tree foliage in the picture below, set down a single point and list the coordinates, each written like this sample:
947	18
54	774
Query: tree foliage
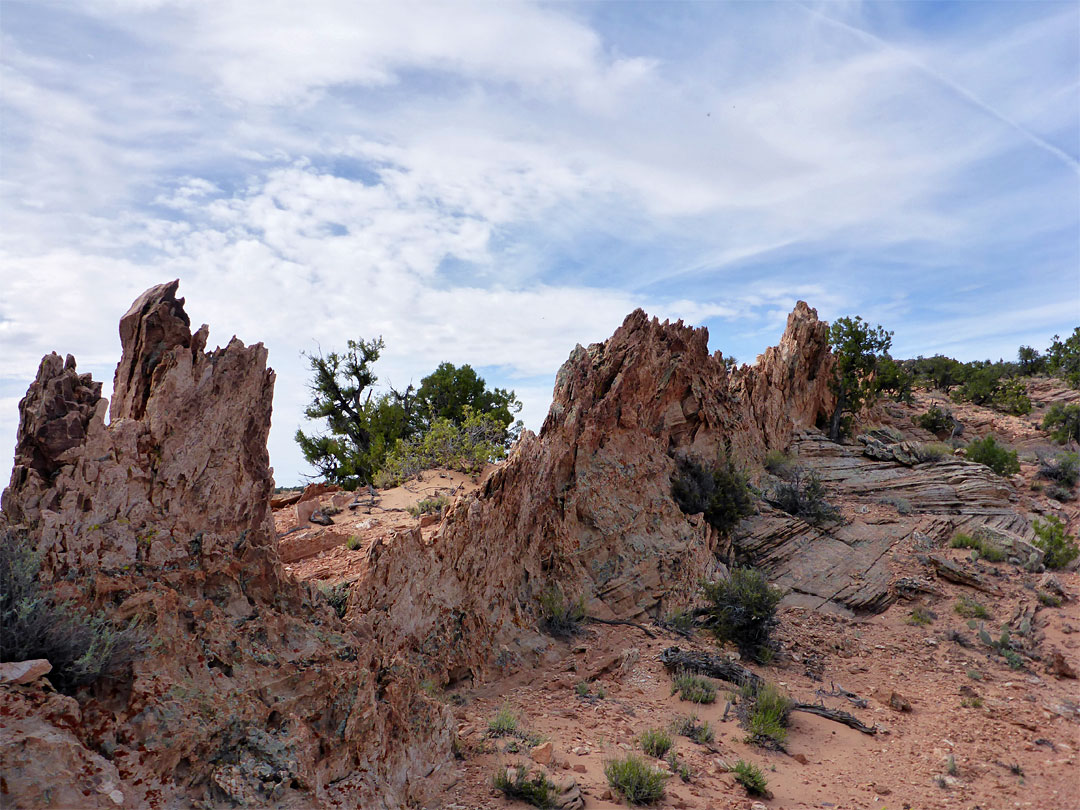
858	348
1063	358
453	417
1063	422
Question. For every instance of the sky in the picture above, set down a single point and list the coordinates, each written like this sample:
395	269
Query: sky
494	183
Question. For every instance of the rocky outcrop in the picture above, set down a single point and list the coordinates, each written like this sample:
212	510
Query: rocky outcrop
587	504
247	688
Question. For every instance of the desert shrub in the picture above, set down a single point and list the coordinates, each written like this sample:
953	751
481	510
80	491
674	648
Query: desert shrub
766	715
693	688
1011	397
467	447
560	614
680	621
936	420
997	457
1049	599
337	596
921	616
81	646
1059	549
803	495
656	742
505	723
681	769
971	609
1060	493
742	609
353	543
987	550
720	491
635	780
1062	468
751	778
697	730
429	506
515	783
779	463
1063	423
901	505
931	451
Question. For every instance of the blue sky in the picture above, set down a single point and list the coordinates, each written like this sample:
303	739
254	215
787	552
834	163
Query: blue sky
493	183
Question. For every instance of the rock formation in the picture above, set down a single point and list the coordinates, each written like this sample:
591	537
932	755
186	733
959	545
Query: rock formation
247	689
587	504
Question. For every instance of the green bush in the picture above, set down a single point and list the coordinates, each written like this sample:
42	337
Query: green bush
1062	468
1011	397
921	616
742	609
515	783
971	609
337	596
504	723
1059	549
656	742
697	730
719	491
635	780
997	457
751	778
353	543
693	688
1063	423
1063	358
429	506
766	715
803	496
987	551
931	451
467	447
936	420
81	646
780	464
561	615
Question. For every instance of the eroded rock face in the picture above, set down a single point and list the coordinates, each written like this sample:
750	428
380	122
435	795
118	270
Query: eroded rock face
248	688
587	504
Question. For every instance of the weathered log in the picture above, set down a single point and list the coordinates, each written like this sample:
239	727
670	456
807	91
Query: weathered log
724	669
835	715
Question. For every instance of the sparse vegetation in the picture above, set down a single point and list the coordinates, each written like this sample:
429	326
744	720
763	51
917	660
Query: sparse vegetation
1062	422
719	491
1061	468
751	777
697	730
516	783
936	420
931	451
656	742
680	769
766	713
971	702
921	616
742	609
693	688
1059	549
81	646
998	458
901	505
971	609
635	780
337	596
505	723
803	495
353	543
780	464
429	506
561	615
987	550
1049	599
466	446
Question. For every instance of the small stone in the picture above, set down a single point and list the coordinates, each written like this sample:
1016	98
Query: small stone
758	806
117	797
800	758
542	753
24	671
579	767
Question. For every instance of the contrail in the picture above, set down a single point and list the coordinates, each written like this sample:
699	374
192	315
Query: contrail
963	92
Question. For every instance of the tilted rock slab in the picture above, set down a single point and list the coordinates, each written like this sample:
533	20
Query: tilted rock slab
249	688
